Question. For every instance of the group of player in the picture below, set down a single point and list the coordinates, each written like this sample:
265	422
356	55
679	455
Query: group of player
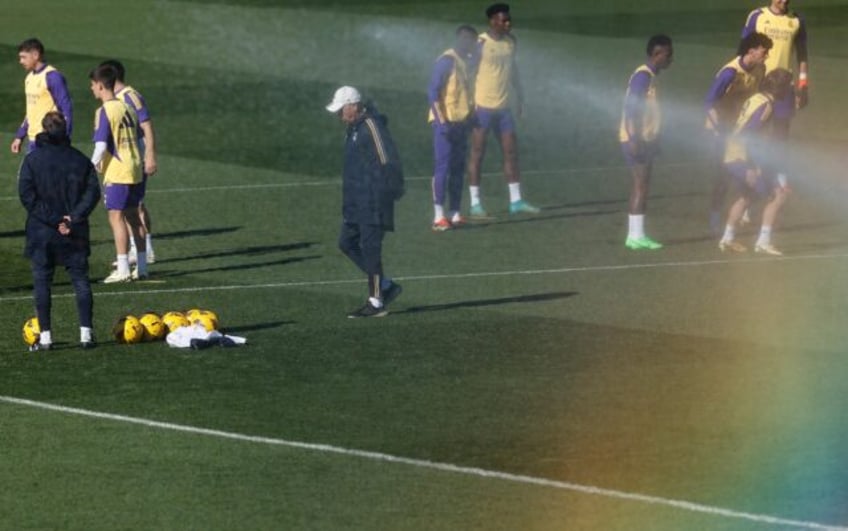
474	88
124	153
475	84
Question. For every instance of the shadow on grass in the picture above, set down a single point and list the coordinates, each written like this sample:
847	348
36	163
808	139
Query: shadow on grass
255	327
541	297
244	251
595	203
506	219
13	234
236	267
542	217
191	233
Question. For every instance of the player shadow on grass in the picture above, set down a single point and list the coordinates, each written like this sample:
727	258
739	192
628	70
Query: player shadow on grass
254	327
541	297
192	233
593	203
617	201
543	217
237	267
243	251
173	235
13	234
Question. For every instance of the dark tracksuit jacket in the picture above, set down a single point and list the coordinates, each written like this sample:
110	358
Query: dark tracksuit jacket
370	157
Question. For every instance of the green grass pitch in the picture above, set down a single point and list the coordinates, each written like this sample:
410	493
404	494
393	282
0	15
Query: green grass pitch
694	390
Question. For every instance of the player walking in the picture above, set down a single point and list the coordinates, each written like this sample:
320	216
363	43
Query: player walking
371	170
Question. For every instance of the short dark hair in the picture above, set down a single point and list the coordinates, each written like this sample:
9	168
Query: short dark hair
120	71
754	40
465	28
31	45
105	74
55	126
494	9
657	40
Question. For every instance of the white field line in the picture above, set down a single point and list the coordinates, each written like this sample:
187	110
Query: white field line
337	182
452	276
431	465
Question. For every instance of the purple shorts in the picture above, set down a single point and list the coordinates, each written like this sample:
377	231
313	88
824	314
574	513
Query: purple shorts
498	120
122	196
762	187
646	155
785	108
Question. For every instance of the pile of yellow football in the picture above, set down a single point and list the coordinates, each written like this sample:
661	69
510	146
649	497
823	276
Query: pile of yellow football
149	327
152	327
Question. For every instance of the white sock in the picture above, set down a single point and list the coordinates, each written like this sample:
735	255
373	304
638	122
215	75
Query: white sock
514	192
123	265
439	212
765	236
148	240
636	226
474	194
133	249
45	338
141	263
455	216
375	302
729	233
85	334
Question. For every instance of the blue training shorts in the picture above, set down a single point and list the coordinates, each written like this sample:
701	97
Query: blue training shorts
498	120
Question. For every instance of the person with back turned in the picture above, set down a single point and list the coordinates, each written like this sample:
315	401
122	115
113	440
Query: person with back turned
58	187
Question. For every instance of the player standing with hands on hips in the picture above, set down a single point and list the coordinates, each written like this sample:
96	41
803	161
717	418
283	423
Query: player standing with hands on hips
372	180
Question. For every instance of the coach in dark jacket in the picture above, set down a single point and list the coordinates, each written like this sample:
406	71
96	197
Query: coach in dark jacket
58	188
372	180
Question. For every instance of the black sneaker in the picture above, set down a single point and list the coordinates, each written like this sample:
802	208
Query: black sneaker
368	310
392	293
85	345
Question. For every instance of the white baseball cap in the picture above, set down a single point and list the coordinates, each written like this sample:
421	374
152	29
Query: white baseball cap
342	97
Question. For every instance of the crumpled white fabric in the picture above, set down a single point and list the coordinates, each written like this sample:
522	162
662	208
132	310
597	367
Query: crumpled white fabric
182	336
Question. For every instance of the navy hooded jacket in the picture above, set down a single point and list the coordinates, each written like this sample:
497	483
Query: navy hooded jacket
371	172
57	180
